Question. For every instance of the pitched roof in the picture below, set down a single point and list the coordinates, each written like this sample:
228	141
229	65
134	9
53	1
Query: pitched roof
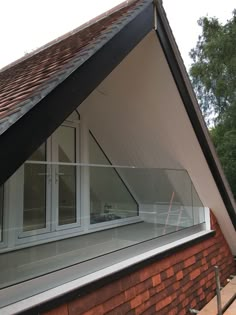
60	77
25	83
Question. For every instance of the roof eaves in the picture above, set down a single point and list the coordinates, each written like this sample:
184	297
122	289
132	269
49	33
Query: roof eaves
68	34
72	65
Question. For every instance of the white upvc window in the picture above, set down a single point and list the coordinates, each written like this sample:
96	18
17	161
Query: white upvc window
45	192
47	201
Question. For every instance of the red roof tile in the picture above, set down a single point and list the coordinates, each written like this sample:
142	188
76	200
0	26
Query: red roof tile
37	74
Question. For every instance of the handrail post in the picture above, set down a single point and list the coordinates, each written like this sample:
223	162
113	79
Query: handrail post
218	293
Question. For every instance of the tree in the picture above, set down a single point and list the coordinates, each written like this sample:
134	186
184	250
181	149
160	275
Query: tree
213	75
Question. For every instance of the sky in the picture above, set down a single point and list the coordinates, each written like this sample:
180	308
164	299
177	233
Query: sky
26	25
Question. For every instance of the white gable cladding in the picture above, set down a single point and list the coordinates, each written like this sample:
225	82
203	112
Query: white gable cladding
139	119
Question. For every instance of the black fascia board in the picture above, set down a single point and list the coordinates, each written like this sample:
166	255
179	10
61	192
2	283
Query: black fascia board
163	32
20	140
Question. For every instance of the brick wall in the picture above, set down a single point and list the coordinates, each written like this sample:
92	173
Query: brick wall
169	286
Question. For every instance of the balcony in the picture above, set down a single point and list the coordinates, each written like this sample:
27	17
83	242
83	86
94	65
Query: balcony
65	214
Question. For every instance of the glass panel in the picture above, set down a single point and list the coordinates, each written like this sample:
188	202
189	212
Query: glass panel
165	199
67	175
34	214
110	198
169	209
198	208
1	212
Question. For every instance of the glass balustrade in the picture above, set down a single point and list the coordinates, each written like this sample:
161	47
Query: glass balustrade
66	213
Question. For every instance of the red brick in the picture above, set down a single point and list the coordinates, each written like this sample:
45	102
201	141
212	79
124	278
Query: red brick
194	274
136	301
165	264
208	284
203	261
181	297
98	310
160	287
179	275
199	291
144	274
209	296
145	296
163	303
143	307
193	303
205	267
211	275
120	310
176	286
202	296
174	311
62	310
185	302
170	272
113	302
186	287
190	261
202	281
130	293
156	280
140	309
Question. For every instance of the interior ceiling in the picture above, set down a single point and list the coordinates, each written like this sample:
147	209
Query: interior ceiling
138	117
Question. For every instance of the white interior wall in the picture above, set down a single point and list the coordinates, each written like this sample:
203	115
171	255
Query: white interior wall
139	119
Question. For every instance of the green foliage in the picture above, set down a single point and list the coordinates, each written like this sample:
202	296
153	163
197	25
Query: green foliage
224	140
213	75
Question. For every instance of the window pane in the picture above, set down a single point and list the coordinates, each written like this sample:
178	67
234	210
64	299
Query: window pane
39	154
198	208
67	175
110	199
35	175
1	212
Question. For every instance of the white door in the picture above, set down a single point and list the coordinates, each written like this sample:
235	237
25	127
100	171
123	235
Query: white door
65	178
51	192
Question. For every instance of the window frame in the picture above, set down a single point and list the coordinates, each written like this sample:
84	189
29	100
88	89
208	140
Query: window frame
20	234
14	216
55	186
22	239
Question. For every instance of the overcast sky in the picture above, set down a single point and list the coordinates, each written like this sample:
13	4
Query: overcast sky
26	24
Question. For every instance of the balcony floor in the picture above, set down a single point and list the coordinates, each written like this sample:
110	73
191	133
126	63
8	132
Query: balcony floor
20	265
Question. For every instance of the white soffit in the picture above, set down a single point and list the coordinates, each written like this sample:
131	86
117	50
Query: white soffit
139	119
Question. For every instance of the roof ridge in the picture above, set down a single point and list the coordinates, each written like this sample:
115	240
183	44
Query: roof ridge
90	22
